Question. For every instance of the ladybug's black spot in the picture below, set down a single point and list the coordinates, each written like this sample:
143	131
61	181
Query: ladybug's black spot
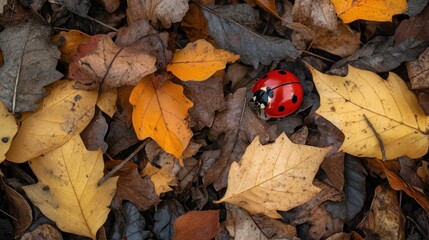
294	99
281	108
265	76
282	72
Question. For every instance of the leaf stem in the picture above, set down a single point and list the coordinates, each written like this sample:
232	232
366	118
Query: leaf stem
119	166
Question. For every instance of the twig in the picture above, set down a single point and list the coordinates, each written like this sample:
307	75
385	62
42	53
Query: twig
380	141
318	56
15	89
419	228
119	166
7	214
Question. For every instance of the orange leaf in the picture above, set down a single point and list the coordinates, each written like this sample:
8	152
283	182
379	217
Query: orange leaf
69	41
269	6
160	113
199	60
373	10
197	225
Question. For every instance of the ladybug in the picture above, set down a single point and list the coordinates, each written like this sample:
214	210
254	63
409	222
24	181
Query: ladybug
279	93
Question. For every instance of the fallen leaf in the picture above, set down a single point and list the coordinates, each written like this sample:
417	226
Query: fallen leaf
132	222
269	6
423	171
188	175
199	60
274	229
65	112
319	14
30	62
257	183
414	28
67	191
136	189
202	114
323	224
408	172
385	217
100	61
78	7
18	208
195	25
252	47
333	165
371	10
166	11
120	137
133	32
390	107
241	226
342	42
8	129
380	55
125	109
159	177
93	135
161	114
109	5
197	225
2	4
418	71
68	43
167	212
44	231
355	187
107	101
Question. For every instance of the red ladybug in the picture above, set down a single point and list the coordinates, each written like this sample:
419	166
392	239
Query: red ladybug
279	93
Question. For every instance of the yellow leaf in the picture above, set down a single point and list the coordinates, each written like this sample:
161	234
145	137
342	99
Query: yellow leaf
199	60
389	106
272	177
60	116
69	41
160	113
160	178
372	10
107	101
67	191
8	129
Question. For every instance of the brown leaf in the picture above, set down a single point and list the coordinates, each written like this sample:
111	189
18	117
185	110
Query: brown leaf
30	62
408	172
44	231
240	126
109	5
188	174
93	134
236	74
125	109
418	71
120	137
102	62
318	14
252	47
385	217
136	189
333	165
134	31
207	97
195	25
165	11
323	224
240	224
197	225
414	28
274	229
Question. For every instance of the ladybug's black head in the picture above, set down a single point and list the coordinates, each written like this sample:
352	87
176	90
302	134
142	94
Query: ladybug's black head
262	97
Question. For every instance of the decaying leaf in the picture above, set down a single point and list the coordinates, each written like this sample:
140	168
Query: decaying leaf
100	61
93	135
275	176
351	10
166	11
195	25
197	225
418	71
8	129
199	60
65	112
253	48
67	191
160	178
68	43
167	212
385	217
389	106
414	28
44	231
30	62
160	113
241	225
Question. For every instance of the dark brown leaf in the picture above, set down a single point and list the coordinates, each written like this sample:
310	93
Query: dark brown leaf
120	137
44	231
414	28
333	165
109	5
207	97
93	134
30	63
197	225
188	175
323	224
254	48
273	228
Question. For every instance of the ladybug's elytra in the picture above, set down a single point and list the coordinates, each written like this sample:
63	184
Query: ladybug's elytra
279	93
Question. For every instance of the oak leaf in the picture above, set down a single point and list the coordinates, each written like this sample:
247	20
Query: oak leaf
372	10
8	129
389	106
68	43
199	60
160	113
67	191
275	176
30	62
65	112
100	61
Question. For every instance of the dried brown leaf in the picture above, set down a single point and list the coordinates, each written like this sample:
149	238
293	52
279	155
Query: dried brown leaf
93	134
197	225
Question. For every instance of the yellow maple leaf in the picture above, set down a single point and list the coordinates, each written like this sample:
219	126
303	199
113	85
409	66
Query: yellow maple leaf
160	113
67	191
199	60
69	41
373	10
272	177
390	107
8	129
60	116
